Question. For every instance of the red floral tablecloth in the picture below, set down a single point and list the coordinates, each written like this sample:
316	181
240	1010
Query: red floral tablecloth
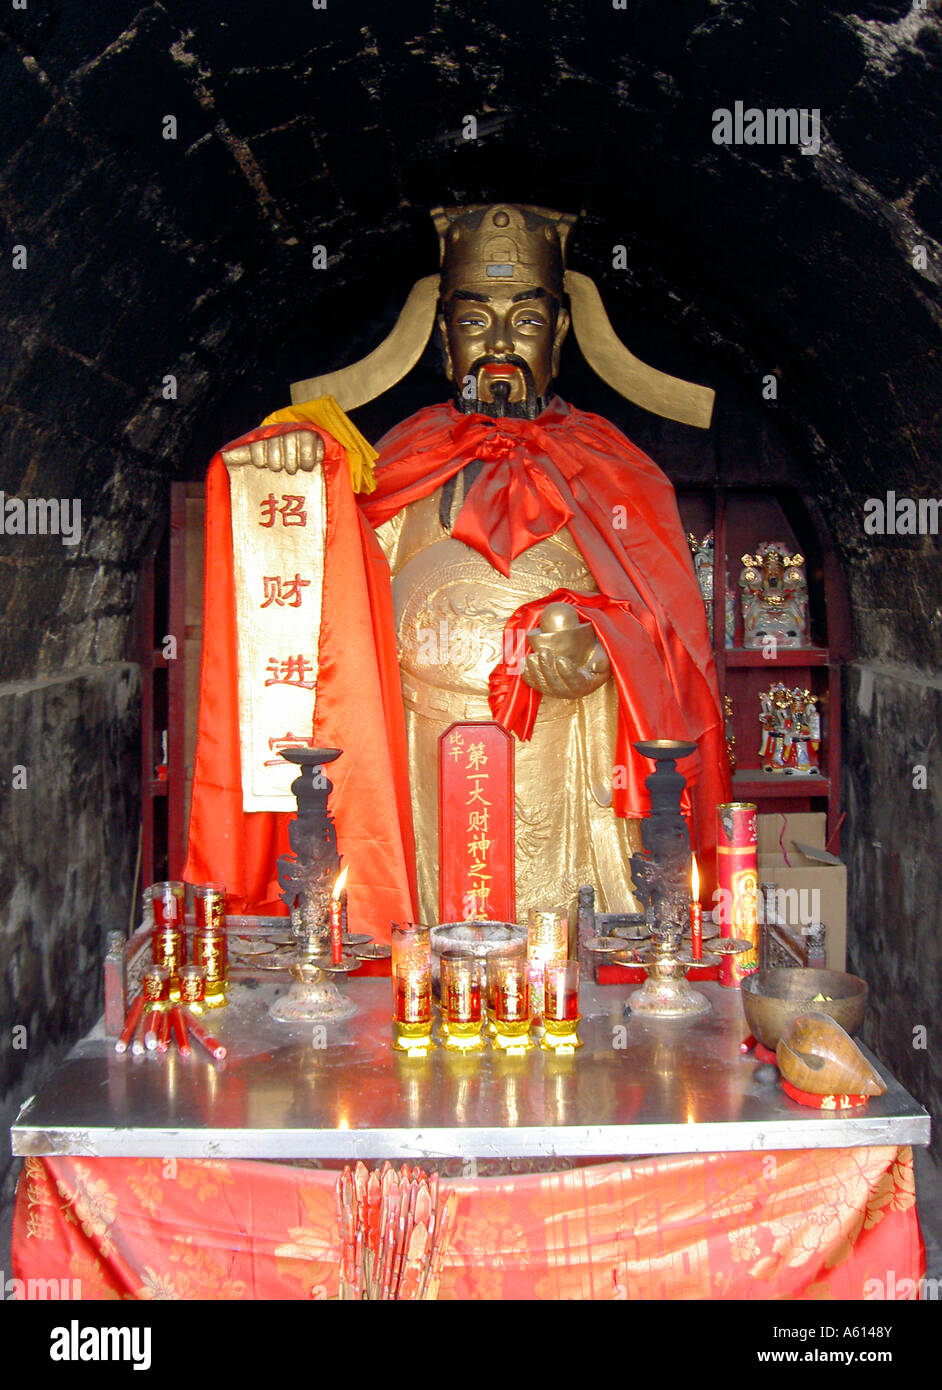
811	1224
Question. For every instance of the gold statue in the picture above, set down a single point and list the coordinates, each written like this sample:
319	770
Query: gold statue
497	513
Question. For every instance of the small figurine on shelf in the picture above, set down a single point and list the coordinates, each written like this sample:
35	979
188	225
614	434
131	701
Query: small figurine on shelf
781	733
767	724
791	731
702	552
807	734
774	597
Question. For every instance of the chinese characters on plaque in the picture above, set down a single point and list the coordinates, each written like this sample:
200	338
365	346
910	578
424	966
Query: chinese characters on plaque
278	530
476	823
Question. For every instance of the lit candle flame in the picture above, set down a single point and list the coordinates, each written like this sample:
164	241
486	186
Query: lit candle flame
694	880
340	883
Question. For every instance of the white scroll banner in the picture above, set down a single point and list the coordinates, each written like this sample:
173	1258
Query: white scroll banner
278	529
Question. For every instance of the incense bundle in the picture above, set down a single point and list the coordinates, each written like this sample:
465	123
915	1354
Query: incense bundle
394	1233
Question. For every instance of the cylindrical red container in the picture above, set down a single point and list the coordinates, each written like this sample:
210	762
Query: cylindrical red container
192	984
209	940
412	974
209	951
169	946
561	992
737	878
461	988
168	902
547	942
209	902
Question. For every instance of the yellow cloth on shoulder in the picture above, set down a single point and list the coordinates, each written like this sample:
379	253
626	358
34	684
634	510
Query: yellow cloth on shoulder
328	416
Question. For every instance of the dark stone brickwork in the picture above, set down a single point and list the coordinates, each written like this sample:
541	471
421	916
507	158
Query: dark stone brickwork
894	719
67	866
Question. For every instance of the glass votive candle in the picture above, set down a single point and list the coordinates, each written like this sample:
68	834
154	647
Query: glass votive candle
511	987
209	905
155	985
561	1006
412	988
517	952
461	1002
193	987
168	902
547	940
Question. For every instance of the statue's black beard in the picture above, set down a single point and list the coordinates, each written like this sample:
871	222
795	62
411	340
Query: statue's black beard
500	408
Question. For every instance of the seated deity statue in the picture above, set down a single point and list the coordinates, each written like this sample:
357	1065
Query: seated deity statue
437	585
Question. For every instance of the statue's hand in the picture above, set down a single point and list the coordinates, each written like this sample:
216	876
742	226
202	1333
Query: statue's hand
302	449
558	676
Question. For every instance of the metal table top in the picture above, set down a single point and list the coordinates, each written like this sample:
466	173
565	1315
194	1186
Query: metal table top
637	1087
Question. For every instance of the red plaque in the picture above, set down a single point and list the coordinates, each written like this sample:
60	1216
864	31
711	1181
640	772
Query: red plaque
476	823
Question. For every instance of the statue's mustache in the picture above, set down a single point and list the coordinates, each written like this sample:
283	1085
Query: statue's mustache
526	409
509	359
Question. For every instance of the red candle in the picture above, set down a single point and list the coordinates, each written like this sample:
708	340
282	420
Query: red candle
696	912
196	1030
180	1030
130	1024
336	920
152	1030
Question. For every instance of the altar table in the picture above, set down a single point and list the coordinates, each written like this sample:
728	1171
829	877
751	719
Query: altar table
136	1181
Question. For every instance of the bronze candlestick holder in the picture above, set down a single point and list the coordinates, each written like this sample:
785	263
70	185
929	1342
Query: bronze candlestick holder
662	882
307	877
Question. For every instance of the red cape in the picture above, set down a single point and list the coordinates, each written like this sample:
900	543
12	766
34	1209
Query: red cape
570	468
567	468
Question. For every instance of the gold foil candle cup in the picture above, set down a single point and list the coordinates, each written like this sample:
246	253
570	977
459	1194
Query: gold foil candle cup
511	977
155	985
193	987
462	1002
412	988
561	1006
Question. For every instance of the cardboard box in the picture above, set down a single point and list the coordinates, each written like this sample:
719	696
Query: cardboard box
815	889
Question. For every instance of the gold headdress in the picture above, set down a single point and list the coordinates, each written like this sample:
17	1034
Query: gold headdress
483	245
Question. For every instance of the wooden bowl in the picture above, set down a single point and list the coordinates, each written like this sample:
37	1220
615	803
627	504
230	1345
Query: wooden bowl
772	999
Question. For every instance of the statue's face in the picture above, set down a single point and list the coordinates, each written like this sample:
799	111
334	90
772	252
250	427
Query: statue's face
507	344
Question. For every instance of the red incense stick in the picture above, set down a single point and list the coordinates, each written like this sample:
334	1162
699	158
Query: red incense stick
214	1048
179	1030
130	1024
151	1032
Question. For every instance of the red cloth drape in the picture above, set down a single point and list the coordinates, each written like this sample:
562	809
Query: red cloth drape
808	1224
358	709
